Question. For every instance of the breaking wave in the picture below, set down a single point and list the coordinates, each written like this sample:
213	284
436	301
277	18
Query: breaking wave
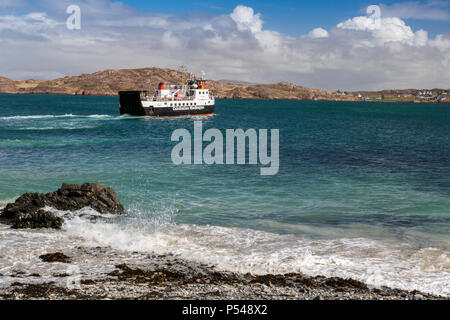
376	263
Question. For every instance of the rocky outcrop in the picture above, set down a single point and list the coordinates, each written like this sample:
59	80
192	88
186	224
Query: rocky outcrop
27	211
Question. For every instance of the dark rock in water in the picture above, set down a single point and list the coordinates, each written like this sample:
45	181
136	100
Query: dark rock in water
36	220
55	257
26	213
27	203
75	197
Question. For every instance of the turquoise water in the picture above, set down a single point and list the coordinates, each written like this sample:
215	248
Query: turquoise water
367	178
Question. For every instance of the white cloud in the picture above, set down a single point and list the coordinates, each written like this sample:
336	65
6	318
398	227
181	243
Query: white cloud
440	42
421	38
353	55
358	23
432	10
388	30
318	33
246	19
30	23
394	29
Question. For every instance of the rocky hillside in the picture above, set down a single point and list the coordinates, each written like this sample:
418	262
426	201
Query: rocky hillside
109	82
7	85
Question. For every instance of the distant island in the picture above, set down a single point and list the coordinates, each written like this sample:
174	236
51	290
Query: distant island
110	82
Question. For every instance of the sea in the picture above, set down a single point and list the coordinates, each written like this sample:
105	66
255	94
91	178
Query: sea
362	191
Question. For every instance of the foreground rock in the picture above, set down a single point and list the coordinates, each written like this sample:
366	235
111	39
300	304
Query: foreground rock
55	257
38	219
27	211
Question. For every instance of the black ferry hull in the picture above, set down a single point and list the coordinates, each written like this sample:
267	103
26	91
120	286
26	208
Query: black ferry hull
130	103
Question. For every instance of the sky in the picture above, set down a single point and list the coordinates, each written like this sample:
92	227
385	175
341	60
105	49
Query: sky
321	44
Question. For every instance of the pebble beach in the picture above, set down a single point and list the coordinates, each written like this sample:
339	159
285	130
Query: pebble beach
167	277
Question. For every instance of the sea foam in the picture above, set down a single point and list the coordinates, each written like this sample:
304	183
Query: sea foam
243	250
229	249
50	116
47	116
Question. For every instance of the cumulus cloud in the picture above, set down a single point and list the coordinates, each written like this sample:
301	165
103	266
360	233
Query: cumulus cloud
440	42
318	33
246	19
387	30
352	55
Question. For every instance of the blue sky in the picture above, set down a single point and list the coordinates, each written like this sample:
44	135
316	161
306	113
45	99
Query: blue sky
292	17
320	44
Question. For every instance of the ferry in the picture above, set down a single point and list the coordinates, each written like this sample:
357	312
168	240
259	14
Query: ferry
190	99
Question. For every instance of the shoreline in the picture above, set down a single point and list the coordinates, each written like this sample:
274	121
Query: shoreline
167	277
226	98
